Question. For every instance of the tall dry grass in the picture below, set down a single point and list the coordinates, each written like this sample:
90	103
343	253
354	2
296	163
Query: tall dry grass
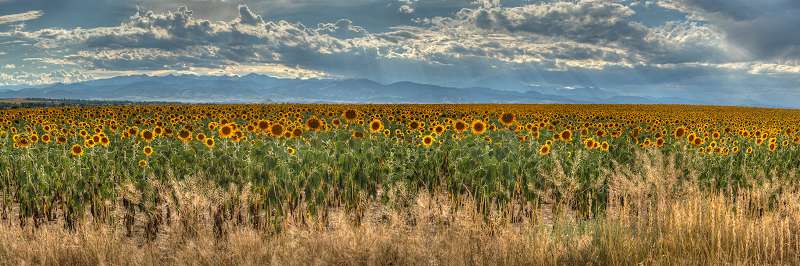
656	214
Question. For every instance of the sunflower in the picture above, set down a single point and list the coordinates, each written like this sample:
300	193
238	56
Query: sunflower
544	149
460	126
604	146
350	114
23	142
291	151
147	135
148	151
414	125
46	138
276	130
76	150
89	143
143	163
200	137
589	143
679	132
297	132
209	142
375	125
428	140
439	129
600	133
158	131
263	125
478	127
357	135
565	135
226	131
698	141
313	124
185	135
507	118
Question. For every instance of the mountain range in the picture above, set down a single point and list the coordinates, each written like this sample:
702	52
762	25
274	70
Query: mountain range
255	88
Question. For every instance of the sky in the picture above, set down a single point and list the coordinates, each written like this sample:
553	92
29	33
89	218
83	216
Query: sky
704	49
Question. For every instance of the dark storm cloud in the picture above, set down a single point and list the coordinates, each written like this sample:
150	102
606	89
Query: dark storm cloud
766	29
584	21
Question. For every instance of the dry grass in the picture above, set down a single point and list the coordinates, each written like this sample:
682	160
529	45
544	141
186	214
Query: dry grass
654	216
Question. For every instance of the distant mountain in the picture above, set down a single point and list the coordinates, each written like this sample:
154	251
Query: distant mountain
261	88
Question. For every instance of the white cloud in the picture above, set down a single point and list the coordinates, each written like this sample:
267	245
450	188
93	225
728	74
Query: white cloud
406	6
30	15
35	78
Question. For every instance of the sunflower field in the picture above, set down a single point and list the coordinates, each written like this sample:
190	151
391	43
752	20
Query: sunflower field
286	163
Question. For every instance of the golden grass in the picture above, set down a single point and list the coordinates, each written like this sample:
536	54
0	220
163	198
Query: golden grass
654	216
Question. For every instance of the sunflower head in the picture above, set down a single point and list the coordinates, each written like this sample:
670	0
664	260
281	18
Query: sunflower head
679	132
428	140
209	142
544	149
148	151
565	135
147	135
276	130
313	124
478	127
439	129
507	118
185	135
263	125
226	131
376	125
76	150
460	126
350	114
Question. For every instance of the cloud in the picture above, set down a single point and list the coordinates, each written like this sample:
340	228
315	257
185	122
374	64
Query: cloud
560	36
26	77
178	40
246	16
559	43
583	21
30	15
765	30
343	29
406	6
